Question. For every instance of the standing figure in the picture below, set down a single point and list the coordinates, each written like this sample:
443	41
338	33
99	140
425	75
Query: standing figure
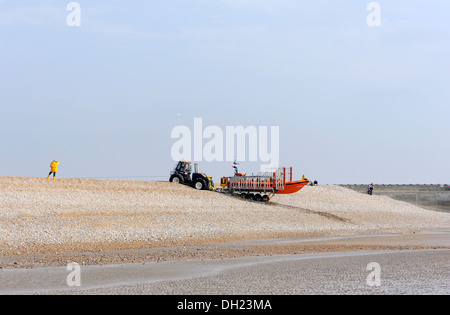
370	189
53	169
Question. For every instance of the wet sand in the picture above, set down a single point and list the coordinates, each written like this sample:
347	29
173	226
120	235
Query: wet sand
413	264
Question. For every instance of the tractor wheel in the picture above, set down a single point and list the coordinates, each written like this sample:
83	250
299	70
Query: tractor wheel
200	184
257	198
176	179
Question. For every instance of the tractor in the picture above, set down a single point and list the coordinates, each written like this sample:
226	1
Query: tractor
182	174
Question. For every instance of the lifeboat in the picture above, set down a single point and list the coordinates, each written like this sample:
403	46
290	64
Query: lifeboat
293	187
264	185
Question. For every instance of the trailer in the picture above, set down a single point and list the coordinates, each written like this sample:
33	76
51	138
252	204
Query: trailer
262	187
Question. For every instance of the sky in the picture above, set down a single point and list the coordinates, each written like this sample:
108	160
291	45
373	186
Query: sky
354	103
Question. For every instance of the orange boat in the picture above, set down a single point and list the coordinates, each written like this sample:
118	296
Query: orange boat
263	186
293	187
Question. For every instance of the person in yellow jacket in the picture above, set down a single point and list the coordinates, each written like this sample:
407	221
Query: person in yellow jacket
53	169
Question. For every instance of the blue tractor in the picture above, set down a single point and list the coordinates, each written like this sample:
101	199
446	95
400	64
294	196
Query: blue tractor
182	174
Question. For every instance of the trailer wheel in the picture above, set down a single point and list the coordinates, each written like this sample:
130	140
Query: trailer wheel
258	198
265	198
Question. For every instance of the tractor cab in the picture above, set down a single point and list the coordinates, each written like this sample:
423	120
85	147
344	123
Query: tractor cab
182	174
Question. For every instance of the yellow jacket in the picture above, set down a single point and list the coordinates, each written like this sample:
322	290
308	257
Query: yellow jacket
54	166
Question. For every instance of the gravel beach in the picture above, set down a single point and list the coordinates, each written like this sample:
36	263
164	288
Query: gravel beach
44	222
47	224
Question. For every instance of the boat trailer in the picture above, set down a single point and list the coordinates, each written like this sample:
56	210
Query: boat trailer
262	187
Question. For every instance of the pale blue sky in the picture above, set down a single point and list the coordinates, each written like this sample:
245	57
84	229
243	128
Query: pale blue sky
355	104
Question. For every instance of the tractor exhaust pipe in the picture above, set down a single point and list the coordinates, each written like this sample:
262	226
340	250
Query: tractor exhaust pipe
196	168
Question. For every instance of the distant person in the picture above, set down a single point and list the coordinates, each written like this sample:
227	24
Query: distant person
53	169
316	183
370	189
304	177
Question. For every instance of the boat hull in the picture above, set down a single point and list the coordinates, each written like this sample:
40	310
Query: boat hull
293	187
